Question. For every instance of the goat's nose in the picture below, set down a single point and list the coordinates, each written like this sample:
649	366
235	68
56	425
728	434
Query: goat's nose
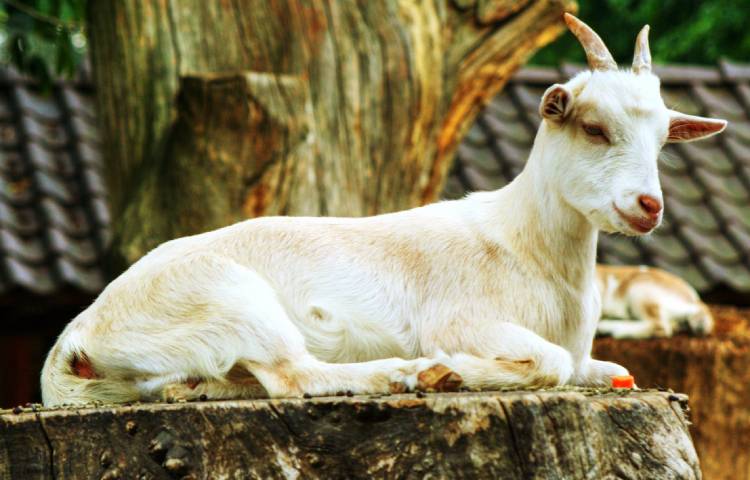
650	205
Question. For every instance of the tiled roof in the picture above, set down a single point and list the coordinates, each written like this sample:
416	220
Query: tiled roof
53	214
54	221
705	237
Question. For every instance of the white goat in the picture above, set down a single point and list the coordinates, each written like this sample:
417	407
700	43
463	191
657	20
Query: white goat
494	290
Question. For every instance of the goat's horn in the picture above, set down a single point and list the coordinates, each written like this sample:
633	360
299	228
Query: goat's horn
597	54
642	55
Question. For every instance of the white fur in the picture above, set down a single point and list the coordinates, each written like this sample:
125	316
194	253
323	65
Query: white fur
498	286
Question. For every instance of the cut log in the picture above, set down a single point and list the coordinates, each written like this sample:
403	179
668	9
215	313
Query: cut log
714	372
554	434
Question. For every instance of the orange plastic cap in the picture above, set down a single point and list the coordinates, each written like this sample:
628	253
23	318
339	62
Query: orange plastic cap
623	381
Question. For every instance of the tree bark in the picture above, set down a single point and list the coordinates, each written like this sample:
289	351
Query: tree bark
714	372
467	435
217	111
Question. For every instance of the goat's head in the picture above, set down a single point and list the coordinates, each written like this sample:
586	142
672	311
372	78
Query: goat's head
606	127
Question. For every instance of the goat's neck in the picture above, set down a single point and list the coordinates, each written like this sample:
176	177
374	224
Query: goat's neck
531	217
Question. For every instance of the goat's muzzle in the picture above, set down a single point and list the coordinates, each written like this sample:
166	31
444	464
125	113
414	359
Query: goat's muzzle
641	224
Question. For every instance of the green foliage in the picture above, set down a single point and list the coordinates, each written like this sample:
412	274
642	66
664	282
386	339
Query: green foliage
682	31
43	38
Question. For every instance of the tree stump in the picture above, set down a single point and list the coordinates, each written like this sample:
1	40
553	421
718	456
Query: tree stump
526	434
714	372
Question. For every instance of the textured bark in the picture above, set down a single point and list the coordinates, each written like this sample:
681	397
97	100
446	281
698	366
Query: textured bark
714	372
469	435
217	111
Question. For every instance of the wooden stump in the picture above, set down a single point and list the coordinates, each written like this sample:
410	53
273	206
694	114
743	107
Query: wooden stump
714	372
553	434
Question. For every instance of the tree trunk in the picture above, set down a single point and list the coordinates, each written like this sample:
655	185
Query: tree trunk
217	111
468	435
714	372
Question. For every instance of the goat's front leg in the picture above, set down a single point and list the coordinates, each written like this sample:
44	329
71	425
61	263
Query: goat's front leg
503	355
597	373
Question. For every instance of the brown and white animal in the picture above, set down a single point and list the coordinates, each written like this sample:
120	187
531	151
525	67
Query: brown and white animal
643	302
498	287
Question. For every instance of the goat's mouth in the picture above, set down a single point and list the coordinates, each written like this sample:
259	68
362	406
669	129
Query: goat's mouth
639	224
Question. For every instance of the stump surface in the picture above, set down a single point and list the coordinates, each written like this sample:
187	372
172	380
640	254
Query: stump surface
528	434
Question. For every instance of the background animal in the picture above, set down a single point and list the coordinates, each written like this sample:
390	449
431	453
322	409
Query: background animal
642	302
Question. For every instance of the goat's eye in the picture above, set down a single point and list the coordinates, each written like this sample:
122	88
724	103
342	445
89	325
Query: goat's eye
593	130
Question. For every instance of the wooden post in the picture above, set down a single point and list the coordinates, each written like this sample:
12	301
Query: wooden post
528	434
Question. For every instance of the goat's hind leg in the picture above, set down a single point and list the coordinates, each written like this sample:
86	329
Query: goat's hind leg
249	321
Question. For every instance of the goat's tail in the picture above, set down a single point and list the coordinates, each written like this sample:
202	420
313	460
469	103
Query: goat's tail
69	377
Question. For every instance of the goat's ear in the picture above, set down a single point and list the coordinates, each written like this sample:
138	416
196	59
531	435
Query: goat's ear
686	128
555	104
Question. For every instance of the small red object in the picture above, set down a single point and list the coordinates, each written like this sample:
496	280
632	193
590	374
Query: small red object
623	381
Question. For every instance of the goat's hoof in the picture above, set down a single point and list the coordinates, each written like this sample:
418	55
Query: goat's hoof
439	378
397	387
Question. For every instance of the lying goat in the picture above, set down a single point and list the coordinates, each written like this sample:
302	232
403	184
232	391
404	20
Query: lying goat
642	302
494	290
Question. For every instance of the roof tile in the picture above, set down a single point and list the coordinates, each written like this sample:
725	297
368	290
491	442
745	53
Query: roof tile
71	220
89	154
734	72
732	274
101	212
79	103
62	189
716	247
39	105
28	249
79	250
85	130
680	98
687	74
739	150
683	188
51	134
719	101
687	271
727	186
502	108
623	247
87	279
666	245
738	214
22	220
528	96
35	278
476	136
514	131
743	93
710	155
55	162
